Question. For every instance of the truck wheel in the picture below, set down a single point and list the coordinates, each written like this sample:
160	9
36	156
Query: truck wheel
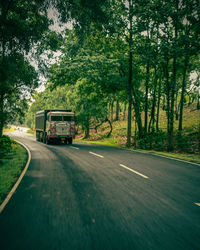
70	140
43	138
46	139
37	136
40	139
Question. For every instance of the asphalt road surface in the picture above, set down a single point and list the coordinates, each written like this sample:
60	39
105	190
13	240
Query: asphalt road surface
88	196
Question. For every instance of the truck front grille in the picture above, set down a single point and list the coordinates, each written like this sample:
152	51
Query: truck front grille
62	129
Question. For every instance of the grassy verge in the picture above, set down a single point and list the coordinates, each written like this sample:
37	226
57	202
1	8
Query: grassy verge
186	157
11	167
110	142
8	130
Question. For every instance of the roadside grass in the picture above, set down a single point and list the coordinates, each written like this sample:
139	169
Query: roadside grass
191	123
11	167
5	130
194	158
185	157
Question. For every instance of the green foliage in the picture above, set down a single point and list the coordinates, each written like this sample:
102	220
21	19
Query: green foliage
11	166
5	145
83	13
92	72
22	26
152	140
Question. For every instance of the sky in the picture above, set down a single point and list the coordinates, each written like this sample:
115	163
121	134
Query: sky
58	27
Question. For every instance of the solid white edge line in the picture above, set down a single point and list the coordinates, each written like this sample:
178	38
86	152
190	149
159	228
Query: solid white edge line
198	204
163	156
144	176
2	206
101	156
74	147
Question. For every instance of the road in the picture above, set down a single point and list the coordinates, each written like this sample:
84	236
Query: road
89	196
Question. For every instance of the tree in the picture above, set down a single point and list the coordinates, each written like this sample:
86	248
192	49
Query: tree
22	24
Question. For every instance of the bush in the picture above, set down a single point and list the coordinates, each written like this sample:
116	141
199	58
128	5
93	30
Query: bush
183	143
5	145
153	140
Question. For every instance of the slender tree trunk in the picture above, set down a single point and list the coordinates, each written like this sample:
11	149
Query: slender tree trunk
87	132
158	105
168	92
1	115
124	114
129	101
152	119
183	93
2	92
173	87
110	132
117	110
146	97
130	73
111	110
176	106
171	116
138	120
87	127
135	138
136	106
198	102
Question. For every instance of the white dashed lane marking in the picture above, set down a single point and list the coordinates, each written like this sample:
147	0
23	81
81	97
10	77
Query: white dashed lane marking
74	147
101	156
142	175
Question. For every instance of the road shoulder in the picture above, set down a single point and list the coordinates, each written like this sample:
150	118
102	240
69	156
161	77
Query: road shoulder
6	200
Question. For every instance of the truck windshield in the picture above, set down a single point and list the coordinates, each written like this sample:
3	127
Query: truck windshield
56	118
68	118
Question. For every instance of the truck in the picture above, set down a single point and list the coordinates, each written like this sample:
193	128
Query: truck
55	125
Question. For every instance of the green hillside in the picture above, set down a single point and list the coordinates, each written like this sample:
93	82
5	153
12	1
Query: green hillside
189	141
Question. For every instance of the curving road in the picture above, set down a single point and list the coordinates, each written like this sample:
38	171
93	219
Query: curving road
88	196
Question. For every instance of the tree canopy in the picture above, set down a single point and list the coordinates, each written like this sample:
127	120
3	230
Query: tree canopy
136	53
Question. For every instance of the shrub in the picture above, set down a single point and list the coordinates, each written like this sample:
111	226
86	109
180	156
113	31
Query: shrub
5	145
153	140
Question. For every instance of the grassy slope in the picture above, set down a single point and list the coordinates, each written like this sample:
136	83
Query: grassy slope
10	169
191	123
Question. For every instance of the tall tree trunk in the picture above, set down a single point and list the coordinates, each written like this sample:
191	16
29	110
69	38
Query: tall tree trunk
117	110
171	115
176	106
1	115
173	87
2	90
146	97
152	119
110	132
124	114
87	130
136	106
168	92
180	127
111	110
158	105
138	119
129	101
130	73
198	102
